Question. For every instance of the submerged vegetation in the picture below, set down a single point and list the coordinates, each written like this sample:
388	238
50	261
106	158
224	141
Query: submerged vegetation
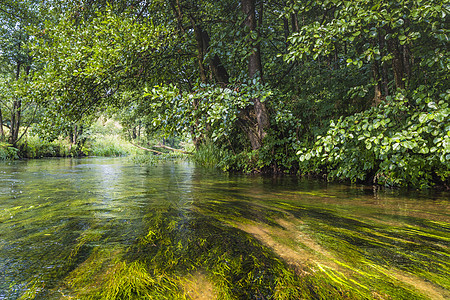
222	237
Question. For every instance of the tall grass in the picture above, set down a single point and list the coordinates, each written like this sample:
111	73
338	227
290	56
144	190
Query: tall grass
110	145
211	156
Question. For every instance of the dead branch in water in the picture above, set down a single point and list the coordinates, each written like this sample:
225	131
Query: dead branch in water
146	149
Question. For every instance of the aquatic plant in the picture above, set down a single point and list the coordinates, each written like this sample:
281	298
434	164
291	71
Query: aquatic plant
211	156
231	237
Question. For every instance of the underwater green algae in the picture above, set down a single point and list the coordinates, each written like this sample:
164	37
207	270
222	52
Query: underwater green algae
105	229
180	243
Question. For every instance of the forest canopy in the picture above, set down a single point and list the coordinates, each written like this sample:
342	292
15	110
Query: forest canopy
347	90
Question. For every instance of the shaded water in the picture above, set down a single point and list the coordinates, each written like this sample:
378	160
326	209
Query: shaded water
106	229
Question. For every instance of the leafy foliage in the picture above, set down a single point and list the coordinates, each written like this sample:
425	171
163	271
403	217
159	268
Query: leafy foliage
207	110
7	152
254	83
397	144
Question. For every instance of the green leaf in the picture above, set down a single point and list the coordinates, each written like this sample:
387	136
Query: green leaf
423	117
408	144
424	150
432	105
399	22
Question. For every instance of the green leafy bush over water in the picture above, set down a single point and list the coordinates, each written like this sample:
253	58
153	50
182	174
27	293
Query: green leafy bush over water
36	147
405	142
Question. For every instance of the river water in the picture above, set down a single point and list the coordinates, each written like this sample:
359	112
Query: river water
102	228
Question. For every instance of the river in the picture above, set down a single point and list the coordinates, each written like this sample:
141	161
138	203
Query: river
103	228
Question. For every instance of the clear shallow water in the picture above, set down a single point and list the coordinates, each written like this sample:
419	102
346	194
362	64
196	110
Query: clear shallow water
71	227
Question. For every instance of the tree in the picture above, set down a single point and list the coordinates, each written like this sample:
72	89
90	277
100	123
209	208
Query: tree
392	39
258	79
16	63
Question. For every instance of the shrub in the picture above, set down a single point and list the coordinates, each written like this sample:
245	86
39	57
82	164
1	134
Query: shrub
8	152
36	147
401	143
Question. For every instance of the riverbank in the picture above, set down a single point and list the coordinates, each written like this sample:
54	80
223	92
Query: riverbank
35	147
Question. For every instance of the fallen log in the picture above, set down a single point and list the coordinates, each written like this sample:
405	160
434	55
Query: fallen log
172	149
146	149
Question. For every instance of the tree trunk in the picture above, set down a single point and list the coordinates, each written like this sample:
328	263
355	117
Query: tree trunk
17	118
398	67
294	21
384	67
407	61
256	133
377	78
2	133
15	113
201	49
75	134
219	71
286	33
216	66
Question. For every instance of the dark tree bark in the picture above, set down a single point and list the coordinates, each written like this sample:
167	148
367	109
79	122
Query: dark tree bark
384	67
202	48
377	78
257	132
254	60
286	32
294	22
407	61
2	133
376	75
398	66
219	71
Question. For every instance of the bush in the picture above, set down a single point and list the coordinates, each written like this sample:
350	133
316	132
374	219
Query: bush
36	147
401	143
211	156
8	152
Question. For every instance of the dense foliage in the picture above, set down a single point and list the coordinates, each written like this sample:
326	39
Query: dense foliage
352	90
394	144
